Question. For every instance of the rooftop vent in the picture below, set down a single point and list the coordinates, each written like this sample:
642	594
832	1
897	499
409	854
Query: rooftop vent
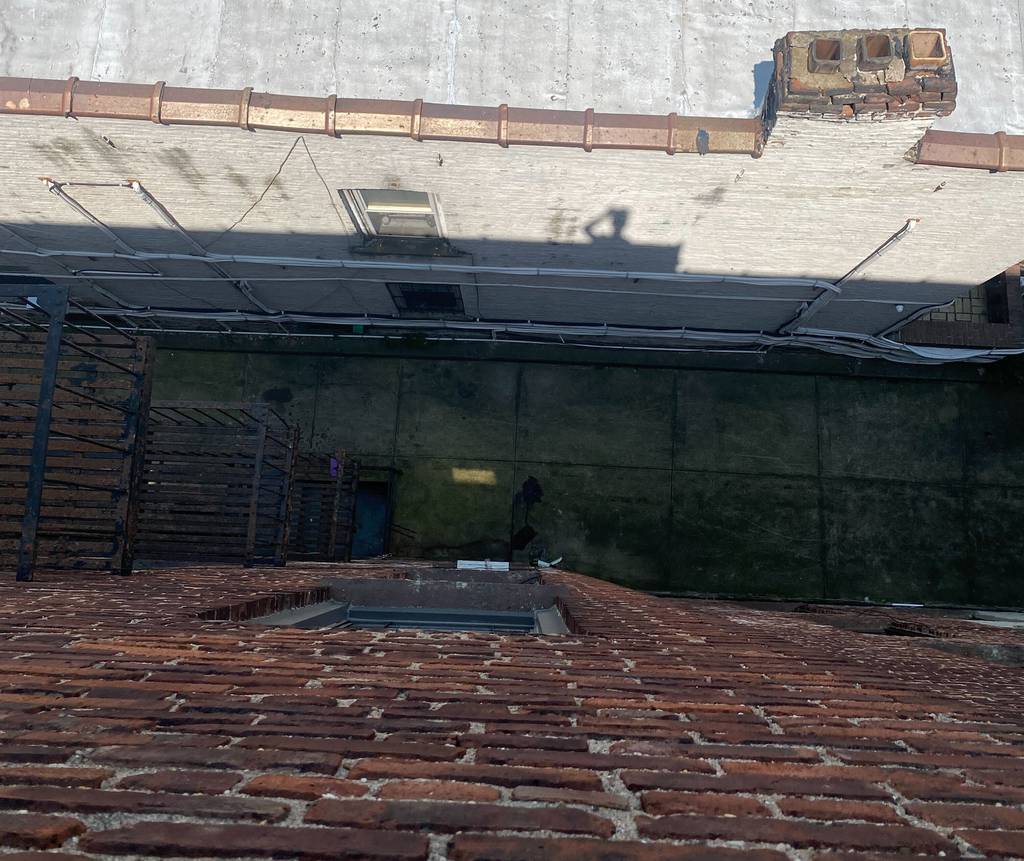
875	52
825	56
926	49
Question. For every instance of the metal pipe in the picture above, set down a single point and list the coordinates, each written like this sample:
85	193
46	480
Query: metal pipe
758	343
85	332
106	294
26	321
55	306
103	320
17	332
344	263
57	190
807	311
175	225
739	297
844	343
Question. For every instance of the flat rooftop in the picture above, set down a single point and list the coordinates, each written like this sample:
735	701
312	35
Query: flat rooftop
657	730
699	58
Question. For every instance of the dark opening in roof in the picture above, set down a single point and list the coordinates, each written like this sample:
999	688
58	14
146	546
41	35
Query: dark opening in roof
435	299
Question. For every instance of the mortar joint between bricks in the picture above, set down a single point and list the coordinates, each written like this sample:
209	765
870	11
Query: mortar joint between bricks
438	847
900	801
827	757
623	820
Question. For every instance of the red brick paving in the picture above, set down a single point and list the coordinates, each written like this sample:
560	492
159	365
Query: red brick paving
130	728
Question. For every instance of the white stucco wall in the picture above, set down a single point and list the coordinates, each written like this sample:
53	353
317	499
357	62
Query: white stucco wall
694	57
822	198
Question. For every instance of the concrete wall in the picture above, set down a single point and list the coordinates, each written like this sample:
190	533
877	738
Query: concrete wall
819	202
737	482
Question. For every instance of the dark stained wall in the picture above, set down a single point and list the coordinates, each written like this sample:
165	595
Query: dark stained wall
797	485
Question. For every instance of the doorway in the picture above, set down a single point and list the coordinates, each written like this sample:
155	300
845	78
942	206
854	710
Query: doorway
373	516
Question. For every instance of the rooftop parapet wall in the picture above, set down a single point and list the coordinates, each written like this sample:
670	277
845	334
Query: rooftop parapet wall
340	117
864	74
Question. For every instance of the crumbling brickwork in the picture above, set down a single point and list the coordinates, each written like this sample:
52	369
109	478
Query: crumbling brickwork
662	730
864	74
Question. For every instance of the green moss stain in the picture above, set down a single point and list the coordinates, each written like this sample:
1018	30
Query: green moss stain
730	482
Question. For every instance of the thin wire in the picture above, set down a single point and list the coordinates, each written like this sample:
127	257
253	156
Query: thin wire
562	288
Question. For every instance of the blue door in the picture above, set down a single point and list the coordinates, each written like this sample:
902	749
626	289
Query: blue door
371	520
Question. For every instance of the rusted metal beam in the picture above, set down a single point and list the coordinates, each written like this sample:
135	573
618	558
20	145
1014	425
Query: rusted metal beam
501	125
54	302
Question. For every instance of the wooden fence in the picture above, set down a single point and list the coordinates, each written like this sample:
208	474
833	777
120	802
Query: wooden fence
323	508
73	404
216	484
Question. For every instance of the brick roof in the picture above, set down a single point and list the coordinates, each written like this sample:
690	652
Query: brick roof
664	730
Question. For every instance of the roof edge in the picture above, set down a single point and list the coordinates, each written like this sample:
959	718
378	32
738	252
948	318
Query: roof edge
502	125
998	152
419	120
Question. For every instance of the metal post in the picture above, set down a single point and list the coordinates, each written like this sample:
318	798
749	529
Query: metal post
142	387
254	500
55	304
285	505
332	539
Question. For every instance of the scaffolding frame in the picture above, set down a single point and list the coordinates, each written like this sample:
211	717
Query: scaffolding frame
80	394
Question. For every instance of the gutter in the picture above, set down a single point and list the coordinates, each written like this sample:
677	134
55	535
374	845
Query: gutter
419	120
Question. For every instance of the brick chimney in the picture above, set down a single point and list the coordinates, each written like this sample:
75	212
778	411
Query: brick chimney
863	75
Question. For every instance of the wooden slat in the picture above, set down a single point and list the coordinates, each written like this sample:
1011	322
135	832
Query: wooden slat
83	526
197	483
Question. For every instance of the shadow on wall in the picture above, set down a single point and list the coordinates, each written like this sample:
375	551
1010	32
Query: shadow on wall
185	283
510	292
763	73
636	465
